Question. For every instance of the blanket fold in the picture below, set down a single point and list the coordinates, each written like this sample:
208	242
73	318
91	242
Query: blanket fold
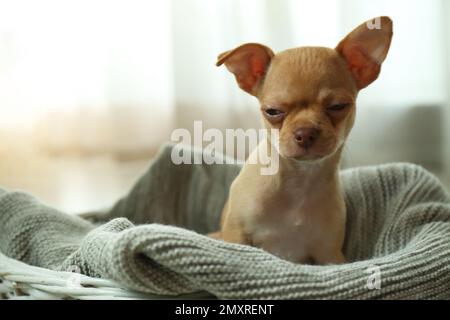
152	240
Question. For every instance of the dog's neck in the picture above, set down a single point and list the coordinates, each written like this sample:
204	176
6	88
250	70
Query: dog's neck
293	173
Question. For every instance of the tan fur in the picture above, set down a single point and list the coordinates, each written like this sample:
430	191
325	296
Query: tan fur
299	213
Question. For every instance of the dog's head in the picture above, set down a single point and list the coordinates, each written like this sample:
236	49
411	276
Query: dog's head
309	93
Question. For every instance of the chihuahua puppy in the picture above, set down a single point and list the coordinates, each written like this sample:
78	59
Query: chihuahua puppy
309	95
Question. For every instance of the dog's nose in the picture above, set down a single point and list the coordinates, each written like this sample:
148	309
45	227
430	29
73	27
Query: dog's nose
305	137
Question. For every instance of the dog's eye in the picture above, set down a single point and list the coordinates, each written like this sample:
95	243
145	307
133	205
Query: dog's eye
273	113
338	107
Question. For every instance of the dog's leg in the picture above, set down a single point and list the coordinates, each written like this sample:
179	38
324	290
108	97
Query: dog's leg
215	235
322	258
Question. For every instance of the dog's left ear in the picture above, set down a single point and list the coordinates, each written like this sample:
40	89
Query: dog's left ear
365	49
248	63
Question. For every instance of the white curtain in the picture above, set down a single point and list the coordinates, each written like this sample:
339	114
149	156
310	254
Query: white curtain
446	118
86	76
119	76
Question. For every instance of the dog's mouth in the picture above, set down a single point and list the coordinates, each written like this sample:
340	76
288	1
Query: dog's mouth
314	153
307	156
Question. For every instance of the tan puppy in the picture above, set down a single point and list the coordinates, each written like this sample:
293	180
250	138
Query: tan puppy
309	94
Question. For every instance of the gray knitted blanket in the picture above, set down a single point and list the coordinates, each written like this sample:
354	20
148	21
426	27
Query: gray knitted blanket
397	238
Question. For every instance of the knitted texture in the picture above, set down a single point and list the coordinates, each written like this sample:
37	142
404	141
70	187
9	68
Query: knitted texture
398	232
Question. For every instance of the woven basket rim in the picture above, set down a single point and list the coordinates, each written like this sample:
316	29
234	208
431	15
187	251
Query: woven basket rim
19	280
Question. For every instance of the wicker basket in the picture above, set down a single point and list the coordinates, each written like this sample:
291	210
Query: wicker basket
22	281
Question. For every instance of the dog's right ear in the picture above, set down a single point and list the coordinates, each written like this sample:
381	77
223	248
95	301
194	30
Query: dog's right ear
248	63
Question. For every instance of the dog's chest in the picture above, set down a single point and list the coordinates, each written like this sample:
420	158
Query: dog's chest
286	234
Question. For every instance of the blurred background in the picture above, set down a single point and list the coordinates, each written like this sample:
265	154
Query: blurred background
89	90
